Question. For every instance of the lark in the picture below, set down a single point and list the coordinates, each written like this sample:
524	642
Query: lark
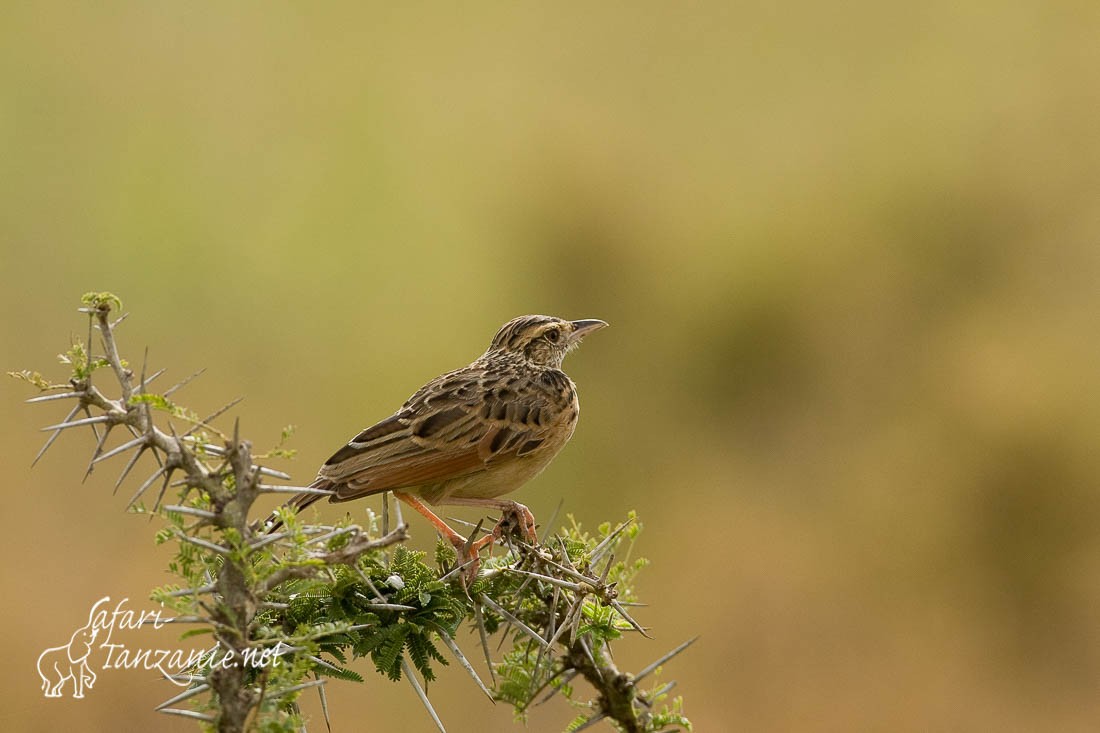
469	436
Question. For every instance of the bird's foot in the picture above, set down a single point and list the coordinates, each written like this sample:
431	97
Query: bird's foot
515	517
467	557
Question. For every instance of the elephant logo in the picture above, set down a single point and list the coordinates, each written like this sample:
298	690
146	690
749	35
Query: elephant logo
60	664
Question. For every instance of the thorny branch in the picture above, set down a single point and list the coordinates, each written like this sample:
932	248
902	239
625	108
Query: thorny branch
560	611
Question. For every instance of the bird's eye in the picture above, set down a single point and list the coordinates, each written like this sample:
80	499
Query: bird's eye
553	335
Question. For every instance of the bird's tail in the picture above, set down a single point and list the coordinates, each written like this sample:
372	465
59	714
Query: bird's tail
298	503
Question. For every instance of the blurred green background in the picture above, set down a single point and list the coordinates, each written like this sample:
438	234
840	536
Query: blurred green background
850	255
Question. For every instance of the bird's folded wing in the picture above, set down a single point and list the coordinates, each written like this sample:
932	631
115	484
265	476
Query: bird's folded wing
437	438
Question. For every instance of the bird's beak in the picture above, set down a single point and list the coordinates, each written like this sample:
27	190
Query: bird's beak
583	328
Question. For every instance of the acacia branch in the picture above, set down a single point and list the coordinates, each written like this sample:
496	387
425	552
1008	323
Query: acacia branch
349	554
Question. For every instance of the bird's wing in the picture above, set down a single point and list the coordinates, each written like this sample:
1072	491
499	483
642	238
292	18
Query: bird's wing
460	423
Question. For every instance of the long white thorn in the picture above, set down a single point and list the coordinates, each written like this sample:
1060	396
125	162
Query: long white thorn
515	621
52	397
98	419
464	662
198	689
665	658
178	385
52	438
187	714
421	694
121	449
96	452
148	482
129	466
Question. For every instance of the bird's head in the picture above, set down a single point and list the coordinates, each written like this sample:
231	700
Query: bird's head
542	340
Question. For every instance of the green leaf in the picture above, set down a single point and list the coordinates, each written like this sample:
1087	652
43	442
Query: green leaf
101	301
37	380
196	632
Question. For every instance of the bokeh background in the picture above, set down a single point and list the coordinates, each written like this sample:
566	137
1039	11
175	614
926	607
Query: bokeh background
850	254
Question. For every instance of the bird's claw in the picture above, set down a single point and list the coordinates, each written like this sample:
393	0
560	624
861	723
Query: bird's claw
468	551
516	516
468	557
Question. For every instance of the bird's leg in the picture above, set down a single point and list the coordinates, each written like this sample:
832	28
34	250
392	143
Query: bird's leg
454	537
514	514
467	550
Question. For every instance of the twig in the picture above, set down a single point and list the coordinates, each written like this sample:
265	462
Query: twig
106	335
346	555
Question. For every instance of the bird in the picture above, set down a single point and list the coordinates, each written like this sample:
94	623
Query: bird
469	436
